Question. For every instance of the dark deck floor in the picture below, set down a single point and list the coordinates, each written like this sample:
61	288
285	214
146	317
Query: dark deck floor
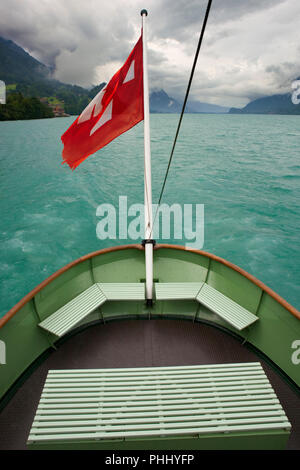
138	343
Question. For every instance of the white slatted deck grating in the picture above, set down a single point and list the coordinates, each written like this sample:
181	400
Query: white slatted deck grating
105	404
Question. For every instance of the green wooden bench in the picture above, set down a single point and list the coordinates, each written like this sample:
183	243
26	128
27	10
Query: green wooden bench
223	306
222	406
177	290
68	316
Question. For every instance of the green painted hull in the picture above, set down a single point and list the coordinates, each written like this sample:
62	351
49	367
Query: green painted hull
273	334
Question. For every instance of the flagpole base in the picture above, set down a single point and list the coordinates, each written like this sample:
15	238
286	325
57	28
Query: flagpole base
145	242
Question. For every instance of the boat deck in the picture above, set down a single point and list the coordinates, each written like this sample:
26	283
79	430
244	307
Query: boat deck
137	343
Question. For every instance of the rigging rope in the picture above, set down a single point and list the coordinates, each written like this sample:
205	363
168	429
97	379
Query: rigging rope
183	107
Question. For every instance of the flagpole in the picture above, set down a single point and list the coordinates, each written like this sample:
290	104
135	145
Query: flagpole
147	176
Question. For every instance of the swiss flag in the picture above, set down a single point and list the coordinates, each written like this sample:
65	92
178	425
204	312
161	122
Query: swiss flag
115	109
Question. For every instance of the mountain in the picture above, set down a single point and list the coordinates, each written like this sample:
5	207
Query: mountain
17	65
199	107
275	104
26	75
161	102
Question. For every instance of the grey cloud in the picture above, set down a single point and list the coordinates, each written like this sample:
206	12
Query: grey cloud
283	74
183	17
156	58
241	58
229	10
219	36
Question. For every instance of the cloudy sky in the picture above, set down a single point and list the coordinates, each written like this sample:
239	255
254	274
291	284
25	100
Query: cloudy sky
251	47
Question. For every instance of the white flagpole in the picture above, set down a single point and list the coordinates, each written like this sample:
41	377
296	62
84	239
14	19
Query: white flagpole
147	177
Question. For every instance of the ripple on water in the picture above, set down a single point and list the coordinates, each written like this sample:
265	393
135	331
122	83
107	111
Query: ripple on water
244	169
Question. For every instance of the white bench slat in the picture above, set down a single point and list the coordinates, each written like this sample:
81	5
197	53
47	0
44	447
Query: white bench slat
152	371
65	318
132	415
177	290
230	311
153	433
123	291
236	315
68	316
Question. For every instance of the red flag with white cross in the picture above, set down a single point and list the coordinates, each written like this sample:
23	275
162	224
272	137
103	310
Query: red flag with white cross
114	110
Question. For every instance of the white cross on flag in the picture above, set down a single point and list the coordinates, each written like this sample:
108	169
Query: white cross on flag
114	110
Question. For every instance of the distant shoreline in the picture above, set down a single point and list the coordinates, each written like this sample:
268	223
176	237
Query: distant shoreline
166	114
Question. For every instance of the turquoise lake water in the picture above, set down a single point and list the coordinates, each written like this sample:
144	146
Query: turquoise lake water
244	169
